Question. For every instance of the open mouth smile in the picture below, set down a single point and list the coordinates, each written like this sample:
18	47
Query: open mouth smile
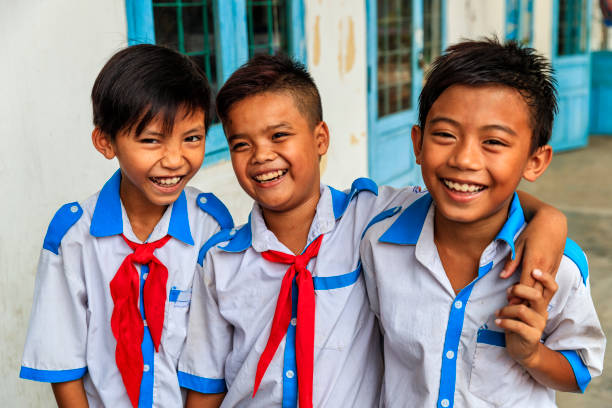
463	187
270	176
166	181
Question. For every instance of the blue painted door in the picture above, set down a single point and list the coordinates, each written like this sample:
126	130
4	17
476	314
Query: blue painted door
519	21
395	44
572	62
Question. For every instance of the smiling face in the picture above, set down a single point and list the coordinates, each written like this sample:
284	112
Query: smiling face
475	149
275	151
155	167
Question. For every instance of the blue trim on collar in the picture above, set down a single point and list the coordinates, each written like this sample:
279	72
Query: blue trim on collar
381	216
107	219
341	200
516	219
221	236
406	229
576	254
209	203
241	238
179	220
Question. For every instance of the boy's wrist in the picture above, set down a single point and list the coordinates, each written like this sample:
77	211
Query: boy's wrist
532	361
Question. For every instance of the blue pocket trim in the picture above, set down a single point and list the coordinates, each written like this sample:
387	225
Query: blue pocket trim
336	282
51	376
581	372
201	384
174	294
494	338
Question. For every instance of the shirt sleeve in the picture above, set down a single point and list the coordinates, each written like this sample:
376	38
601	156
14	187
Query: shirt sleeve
209	337
365	252
573	327
55	347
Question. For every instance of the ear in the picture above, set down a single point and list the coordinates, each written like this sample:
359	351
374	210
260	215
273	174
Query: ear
321	134
102	142
417	142
537	163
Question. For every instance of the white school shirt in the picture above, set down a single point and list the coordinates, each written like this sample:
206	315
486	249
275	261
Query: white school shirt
235	294
443	349
70	335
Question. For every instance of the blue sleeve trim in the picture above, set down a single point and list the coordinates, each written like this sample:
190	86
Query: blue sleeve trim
63	219
336	282
378	218
574	252
221	236
341	200
51	376
212	205
581	372
493	338
201	384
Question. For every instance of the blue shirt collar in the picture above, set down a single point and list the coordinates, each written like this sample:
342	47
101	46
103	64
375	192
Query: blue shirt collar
407	228
107	218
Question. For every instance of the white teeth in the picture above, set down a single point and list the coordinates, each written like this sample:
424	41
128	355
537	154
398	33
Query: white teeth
167	181
465	188
271	175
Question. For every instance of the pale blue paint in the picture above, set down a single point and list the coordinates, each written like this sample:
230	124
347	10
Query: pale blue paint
601	93
571	127
140	28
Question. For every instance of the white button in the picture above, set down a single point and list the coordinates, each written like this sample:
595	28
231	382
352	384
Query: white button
289	374
458	304
144	275
445	402
233	232
146	368
203	200
145	322
293	321
450	354
74	208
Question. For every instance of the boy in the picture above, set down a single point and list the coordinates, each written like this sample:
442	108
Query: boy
250	333
485	118
114	279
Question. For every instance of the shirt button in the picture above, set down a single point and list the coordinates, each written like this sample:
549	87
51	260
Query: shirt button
74	208
293	321
203	200
145	323
450	354
289	374
445	403
458	304
144	275
233	232
146	368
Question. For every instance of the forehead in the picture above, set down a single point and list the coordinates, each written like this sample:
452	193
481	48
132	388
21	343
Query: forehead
264	109
482	105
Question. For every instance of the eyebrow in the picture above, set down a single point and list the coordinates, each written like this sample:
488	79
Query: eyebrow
453	122
267	128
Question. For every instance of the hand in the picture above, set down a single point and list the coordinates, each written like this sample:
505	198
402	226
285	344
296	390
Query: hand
524	323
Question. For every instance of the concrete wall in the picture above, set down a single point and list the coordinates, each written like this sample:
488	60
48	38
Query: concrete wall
473	19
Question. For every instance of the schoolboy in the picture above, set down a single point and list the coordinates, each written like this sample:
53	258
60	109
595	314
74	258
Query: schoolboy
114	279
485	118
249	331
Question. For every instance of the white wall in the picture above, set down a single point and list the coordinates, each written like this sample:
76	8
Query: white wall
473	19
51	52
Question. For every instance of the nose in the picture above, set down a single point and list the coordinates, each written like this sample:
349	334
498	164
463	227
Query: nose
263	153
173	156
466	155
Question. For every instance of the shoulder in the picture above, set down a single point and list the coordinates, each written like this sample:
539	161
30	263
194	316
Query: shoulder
226	243
573	272
211	205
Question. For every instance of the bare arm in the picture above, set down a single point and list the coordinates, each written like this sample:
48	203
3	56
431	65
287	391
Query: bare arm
70	394
541	244
524	324
199	400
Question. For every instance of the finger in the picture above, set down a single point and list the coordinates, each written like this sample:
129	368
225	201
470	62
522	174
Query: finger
516	326
548	283
511	264
524	314
531	296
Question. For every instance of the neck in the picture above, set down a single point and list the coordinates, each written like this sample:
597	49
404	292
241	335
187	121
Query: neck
291	227
143	214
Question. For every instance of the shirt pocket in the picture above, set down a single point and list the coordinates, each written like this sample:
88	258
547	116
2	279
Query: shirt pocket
177	315
495	376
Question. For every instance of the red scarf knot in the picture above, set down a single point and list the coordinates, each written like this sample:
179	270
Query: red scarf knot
126	320
305	318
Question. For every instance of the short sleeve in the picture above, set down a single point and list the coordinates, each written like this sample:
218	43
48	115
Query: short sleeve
365	252
209	338
573	327
55	348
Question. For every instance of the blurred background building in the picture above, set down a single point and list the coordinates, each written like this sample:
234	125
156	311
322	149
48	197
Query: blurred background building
368	58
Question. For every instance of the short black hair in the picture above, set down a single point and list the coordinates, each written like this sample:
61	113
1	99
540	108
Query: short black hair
272	73
489	62
143	81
